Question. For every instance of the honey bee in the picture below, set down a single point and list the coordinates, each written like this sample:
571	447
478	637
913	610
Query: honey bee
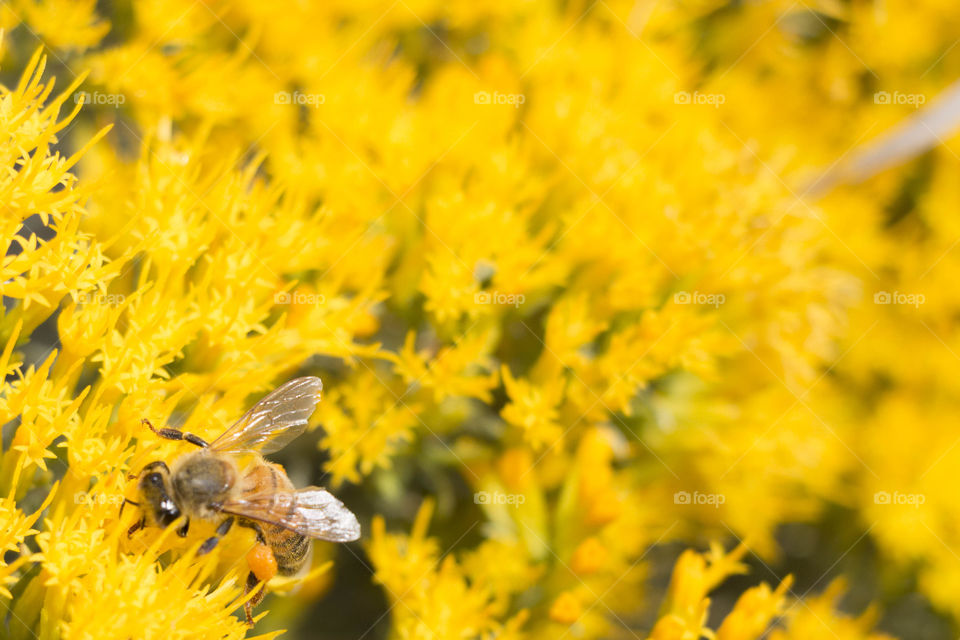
211	484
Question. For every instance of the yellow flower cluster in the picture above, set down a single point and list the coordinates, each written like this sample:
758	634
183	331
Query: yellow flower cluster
597	277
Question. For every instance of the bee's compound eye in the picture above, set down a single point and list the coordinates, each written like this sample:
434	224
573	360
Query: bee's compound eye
155	479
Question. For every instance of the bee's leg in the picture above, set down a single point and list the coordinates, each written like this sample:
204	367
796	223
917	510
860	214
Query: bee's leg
263	566
176	434
183	530
256	599
212	541
125	503
136	526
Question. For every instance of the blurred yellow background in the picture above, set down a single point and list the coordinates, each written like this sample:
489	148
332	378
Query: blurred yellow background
635	319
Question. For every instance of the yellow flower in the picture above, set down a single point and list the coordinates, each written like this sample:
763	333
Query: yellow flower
561	267
365	426
817	616
565	609
436	598
754	611
588	557
533	410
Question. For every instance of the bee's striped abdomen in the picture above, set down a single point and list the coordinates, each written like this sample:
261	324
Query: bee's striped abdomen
290	549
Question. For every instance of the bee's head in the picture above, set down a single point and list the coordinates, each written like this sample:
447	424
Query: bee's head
156	495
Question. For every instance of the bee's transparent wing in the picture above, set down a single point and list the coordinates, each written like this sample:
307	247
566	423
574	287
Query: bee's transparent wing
312	512
274	421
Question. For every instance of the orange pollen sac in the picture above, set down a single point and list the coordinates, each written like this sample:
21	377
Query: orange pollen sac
262	563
